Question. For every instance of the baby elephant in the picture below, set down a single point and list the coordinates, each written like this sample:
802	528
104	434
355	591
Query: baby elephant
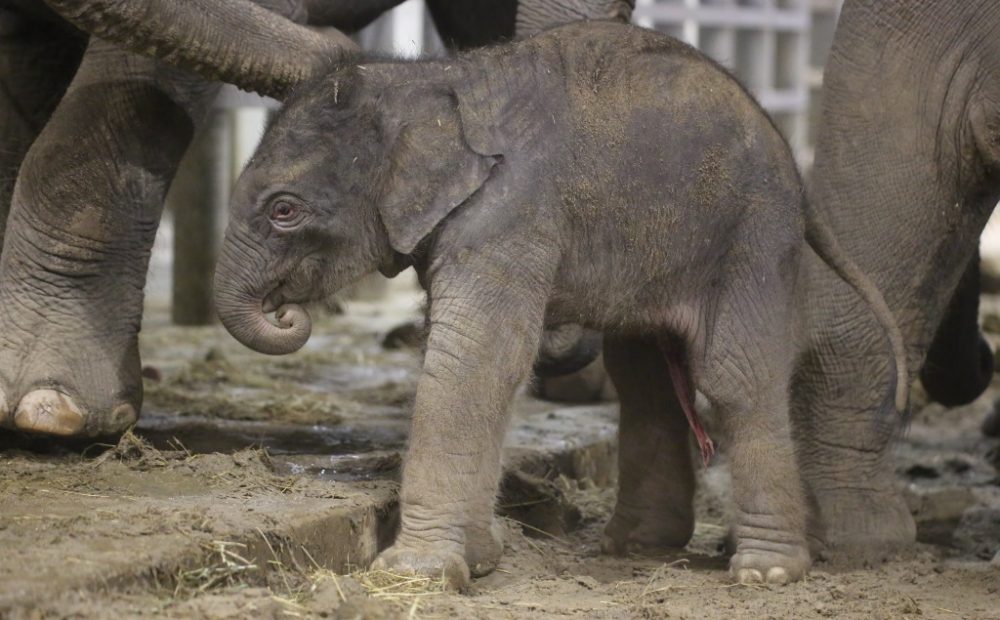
598	174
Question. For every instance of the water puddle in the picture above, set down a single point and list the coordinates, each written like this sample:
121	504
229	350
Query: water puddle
346	452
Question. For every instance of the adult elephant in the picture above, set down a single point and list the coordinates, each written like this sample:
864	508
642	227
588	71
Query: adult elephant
907	172
89	191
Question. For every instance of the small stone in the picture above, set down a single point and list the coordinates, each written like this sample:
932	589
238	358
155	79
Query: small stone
588	582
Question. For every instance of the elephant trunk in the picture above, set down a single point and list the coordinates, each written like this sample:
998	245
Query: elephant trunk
239	299
233	41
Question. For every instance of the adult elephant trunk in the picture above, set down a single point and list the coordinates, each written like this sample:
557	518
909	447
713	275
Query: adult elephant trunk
959	364
233	41
240	292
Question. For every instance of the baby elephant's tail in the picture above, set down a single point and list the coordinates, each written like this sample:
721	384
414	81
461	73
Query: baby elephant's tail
822	240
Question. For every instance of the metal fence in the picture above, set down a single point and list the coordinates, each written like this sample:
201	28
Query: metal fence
776	47
765	43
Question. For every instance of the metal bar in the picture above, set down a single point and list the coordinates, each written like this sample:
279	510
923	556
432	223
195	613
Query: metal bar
725	17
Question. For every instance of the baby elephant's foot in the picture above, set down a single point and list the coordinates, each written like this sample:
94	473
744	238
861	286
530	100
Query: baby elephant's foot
770	566
434	563
483	548
647	532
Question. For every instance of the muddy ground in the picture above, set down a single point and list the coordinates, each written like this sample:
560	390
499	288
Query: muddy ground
260	487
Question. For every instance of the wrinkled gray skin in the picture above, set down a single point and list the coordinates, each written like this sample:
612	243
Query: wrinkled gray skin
906	173
599	174
106	129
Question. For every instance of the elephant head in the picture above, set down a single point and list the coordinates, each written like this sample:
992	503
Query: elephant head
307	218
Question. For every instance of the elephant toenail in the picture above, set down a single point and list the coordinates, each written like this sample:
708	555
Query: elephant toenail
123	416
749	576
777	575
49	412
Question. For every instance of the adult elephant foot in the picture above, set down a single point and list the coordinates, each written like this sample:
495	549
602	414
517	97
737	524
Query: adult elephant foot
648	532
70	309
860	525
845	428
84	213
66	385
69	323
857	513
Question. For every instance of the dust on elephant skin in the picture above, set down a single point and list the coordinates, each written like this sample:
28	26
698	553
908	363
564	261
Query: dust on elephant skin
598	174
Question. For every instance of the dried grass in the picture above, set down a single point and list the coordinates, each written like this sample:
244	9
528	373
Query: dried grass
227	567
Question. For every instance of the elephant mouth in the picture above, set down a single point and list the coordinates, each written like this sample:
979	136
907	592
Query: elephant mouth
300	286
272	301
282	295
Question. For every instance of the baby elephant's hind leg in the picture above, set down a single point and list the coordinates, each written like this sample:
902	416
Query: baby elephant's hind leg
746	377
656	479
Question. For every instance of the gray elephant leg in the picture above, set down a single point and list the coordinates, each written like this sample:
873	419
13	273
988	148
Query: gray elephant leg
844	441
534	16
38	57
484	331
745	375
85	210
654	509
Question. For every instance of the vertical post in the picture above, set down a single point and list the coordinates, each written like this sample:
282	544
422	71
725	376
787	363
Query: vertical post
719	41
197	198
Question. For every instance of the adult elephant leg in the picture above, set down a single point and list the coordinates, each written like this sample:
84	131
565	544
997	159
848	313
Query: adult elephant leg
845	419
844	437
85	210
959	364
654	510
38	57
533	16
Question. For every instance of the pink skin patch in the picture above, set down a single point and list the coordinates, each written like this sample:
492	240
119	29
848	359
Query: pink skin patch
685	394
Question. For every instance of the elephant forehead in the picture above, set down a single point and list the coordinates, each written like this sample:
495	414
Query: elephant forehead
280	165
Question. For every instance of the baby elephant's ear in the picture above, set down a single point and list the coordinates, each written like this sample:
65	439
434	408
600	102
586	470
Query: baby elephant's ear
510	110
431	172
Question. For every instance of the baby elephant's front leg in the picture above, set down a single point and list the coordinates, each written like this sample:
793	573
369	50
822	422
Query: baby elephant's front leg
484	332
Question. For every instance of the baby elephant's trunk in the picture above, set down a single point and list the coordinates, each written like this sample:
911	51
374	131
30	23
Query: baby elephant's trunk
239	299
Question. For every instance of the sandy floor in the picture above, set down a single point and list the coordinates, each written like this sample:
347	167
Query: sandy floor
164	525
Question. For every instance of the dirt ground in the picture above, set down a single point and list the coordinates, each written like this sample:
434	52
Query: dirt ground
259	487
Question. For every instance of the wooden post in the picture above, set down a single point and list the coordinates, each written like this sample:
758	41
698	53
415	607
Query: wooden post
197	198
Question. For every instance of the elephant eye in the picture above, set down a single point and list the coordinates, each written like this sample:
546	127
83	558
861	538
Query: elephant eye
284	213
